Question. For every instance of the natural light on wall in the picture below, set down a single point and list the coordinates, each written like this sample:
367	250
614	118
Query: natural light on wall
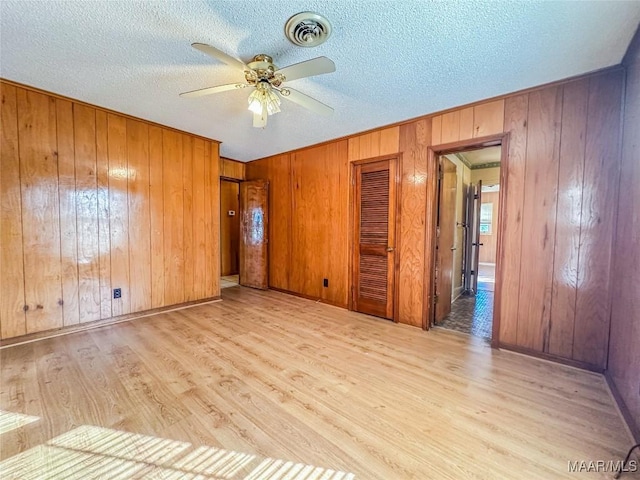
95	452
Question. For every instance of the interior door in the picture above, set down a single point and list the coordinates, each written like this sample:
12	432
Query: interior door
374	238
254	222
476	236
445	238
468	238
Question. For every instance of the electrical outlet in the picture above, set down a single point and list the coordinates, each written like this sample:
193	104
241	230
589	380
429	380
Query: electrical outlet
325	282
117	293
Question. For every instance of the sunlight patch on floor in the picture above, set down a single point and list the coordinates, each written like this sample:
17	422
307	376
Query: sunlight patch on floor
10	421
229	281
95	452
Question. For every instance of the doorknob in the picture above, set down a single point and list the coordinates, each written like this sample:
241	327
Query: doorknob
389	249
453	248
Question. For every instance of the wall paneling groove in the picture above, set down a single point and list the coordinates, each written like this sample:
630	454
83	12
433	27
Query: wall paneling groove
558	206
93	200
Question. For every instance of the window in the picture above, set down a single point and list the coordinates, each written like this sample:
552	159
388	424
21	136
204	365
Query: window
486	217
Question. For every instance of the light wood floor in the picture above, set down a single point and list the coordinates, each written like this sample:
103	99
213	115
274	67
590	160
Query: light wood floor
269	386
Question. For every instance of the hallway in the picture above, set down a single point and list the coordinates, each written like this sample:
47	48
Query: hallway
473	315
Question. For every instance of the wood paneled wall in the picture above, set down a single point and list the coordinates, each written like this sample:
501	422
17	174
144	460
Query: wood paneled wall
624	348
470	122
320	190
562	172
416	209
92	201
560	205
277	170
232	169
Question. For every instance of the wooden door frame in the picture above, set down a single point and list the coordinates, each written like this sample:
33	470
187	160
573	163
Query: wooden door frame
231	180
353	205
433	152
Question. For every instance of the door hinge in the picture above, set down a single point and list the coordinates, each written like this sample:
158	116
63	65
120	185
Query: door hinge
436	298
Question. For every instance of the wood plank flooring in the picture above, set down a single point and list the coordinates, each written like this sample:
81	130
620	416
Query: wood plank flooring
269	386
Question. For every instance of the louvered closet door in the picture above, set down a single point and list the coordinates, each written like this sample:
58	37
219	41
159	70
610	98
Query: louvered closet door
374	252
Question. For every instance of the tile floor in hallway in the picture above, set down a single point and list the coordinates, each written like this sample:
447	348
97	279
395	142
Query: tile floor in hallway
474	314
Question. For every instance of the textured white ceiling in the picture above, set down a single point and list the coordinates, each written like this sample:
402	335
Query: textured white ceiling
482	156
395	60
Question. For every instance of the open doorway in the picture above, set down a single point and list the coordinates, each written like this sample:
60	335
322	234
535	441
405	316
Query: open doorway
229	233
468	202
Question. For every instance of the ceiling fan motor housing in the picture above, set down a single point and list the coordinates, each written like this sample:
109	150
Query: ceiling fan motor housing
262	68
307	29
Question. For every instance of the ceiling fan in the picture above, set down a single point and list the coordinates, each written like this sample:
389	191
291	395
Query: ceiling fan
267	80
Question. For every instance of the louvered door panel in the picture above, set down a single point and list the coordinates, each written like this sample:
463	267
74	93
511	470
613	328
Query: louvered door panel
374	250
373	278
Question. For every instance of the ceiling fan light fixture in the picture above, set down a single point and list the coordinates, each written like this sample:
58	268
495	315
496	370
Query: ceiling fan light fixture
263	100
267	80
307	29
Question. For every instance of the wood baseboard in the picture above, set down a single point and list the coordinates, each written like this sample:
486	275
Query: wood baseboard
634	430
309	297
552	358
34	337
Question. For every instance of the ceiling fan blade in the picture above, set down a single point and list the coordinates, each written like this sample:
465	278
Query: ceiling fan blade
259	121
208	91
306	101
220	55
315	66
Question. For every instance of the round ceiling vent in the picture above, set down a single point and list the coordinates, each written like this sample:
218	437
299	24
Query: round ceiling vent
307	29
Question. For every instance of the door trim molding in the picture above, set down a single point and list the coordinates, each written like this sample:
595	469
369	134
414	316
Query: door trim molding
433	152
352	216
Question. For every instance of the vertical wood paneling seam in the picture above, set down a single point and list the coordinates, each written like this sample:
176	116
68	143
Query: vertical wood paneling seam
75	183
24	277
164	290
504	110
104	222
292	209
557	134
184	236
150	222
109	220
575	302
193	227
290	236
108	200
522	219
128	225
126	159
57	155
616	205
184	219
